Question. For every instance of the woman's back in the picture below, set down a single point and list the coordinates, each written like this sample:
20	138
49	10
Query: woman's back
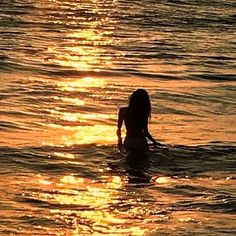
134	124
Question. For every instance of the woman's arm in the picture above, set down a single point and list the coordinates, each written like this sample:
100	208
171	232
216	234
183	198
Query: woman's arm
119	125
148	135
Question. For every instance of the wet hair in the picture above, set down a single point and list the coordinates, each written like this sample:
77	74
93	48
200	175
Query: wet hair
139	103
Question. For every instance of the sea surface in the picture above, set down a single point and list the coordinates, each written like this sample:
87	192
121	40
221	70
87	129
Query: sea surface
66	67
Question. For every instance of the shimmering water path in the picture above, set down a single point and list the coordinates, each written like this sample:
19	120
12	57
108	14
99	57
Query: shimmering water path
66	67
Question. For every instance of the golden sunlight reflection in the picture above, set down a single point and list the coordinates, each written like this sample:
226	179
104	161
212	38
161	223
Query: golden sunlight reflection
71	135
163	180
64	155
80	127
80	63
81	84
109	205
44	182
81	117
70	179
72	101
95	199
87	35
83	49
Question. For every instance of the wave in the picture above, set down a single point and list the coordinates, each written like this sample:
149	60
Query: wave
174	159
56	185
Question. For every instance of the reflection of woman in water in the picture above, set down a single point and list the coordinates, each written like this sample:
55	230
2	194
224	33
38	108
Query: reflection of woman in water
135	117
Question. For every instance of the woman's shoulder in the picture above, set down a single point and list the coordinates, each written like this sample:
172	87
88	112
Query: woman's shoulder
123	110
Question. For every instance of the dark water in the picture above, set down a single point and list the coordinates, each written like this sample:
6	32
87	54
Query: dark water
66	67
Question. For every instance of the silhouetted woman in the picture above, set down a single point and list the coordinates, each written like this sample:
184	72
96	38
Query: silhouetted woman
135	117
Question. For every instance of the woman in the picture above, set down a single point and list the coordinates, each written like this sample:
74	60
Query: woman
135	117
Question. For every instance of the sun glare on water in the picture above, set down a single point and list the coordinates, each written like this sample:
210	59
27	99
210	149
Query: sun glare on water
81	84
95	198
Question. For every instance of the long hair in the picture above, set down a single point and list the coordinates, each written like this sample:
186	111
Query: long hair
140	105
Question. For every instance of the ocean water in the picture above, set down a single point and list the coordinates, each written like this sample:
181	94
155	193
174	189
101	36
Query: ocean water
66	67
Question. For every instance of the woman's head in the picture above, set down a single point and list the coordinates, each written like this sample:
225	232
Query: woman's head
140	102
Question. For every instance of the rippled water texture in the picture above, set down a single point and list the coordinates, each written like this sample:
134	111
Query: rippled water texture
66	67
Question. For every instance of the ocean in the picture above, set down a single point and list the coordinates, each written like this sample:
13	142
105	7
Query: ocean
66	67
